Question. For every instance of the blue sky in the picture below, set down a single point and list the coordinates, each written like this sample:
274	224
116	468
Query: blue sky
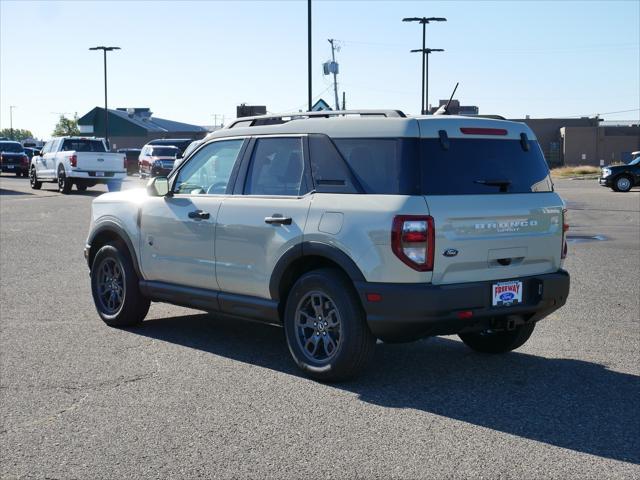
190	60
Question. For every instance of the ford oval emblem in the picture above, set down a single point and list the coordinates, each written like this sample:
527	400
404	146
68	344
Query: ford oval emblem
450	252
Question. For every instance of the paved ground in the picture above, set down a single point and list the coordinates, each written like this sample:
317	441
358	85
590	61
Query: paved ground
188	396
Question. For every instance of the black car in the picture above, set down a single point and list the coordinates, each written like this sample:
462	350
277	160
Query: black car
621	178
13	158
131	154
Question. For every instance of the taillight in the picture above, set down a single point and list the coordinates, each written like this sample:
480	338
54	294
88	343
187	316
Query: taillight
73	160
25	160
565	229
413	240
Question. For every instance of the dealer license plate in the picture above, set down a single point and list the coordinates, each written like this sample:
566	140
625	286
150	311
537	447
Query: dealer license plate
506	293
99	174
10	167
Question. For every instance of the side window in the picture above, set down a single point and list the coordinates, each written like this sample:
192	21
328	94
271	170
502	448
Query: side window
208	170
47	147
277	166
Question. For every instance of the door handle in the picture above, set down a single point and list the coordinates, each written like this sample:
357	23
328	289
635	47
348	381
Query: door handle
199	215
277	219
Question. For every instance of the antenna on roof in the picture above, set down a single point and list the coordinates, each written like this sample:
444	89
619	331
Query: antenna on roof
444	109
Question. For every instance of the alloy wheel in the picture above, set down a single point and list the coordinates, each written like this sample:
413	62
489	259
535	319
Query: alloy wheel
318	327
110	285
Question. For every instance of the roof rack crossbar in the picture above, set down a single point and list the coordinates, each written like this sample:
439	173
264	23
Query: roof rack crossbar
285	117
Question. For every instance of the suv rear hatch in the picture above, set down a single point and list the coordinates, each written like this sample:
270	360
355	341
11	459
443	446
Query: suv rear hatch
487	187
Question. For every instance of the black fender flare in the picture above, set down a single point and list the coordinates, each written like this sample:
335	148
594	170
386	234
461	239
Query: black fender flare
115	229
315	249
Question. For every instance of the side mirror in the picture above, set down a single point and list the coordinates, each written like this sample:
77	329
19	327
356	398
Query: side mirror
158	187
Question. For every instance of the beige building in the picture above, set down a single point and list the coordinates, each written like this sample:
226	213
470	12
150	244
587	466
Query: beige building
599	145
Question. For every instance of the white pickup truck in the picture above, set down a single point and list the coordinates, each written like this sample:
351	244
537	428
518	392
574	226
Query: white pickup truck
80	161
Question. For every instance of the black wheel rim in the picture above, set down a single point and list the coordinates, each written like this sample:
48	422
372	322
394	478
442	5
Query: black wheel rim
110	285
61	180
318	327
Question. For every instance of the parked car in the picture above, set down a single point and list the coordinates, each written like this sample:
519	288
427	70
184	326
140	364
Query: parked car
80	161
132	156
344	230
31	151
157	160
13	158
192	146
180	143
621	178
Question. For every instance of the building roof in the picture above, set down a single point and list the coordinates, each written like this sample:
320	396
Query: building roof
142	117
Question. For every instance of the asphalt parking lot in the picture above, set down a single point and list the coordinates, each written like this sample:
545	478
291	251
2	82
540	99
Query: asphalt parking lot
187	395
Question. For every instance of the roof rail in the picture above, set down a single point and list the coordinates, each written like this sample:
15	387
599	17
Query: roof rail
287	117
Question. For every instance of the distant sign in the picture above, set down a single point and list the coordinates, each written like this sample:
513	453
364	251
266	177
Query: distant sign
584	156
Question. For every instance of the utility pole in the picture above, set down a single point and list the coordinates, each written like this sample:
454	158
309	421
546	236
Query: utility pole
425	54
335	72
309	94
11	107
424	88
106	112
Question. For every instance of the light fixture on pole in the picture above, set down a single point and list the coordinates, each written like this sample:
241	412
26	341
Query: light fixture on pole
425	54
106	112
424	21
11	107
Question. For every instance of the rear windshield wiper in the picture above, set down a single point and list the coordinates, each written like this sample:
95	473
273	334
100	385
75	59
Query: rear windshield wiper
503	184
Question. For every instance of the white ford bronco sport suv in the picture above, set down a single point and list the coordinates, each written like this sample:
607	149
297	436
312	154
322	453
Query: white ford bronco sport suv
344	227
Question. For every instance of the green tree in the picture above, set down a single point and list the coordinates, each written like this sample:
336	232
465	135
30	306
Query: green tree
66	127
17	134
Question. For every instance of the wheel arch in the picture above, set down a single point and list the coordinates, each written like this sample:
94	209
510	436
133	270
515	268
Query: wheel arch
109	232
303	258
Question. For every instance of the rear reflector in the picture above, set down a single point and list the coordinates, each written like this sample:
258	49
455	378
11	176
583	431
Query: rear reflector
483	131
374	297
465	314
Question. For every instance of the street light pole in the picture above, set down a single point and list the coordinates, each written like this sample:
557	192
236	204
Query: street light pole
11	107
309	86
425	54
106	112
424	87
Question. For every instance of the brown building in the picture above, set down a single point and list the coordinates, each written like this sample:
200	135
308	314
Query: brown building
599	145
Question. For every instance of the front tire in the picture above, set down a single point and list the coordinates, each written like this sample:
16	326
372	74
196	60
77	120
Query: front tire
498	341
622	184
115	289
33	179
64	184
326	328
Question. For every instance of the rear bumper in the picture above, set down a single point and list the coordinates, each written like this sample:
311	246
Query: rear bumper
14	168
97	177
160	172
410	311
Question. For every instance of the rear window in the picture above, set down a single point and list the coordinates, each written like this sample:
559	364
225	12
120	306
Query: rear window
480	166
164	151
82	145
11	147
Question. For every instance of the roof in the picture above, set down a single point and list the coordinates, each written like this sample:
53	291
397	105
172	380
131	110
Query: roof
151	123
382	127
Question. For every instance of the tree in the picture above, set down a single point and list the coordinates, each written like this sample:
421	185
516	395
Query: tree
17	134
66	127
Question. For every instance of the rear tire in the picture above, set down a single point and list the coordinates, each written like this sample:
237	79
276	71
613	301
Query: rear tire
33	179
115	289
326	328
81	187
64	184
622	184
500	341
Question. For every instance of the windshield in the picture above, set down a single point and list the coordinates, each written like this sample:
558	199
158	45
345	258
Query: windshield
635	161
82	145
164	151
11	147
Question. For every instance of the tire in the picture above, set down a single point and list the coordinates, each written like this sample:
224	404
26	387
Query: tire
622	184
340	346
117	296
500	341
18	174
115	186
33	180
81	187
64	184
